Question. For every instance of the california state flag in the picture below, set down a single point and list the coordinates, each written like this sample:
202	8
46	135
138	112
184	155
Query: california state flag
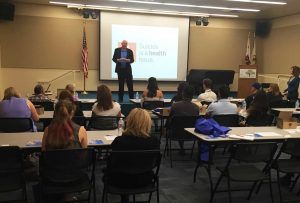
253	55
248	52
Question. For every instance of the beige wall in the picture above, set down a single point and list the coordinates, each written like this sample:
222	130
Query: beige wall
44	42
281	49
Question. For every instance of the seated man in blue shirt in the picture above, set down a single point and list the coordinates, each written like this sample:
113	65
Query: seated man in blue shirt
223	106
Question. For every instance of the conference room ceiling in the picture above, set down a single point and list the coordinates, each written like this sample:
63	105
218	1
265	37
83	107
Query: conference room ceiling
267	11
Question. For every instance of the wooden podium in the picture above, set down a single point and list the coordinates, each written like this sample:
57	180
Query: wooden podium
247	76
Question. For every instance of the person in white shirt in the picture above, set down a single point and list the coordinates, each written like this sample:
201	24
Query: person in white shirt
223	106
105	106
208	95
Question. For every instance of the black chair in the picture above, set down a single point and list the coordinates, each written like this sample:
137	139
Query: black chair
48	105
11	172
13	125
282	104
67	171
288	166
228	120
175	132
80	120
151	105
206	103
241	166
104	122
266	120
131	173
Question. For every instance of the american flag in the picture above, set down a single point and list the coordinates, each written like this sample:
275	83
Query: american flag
84	55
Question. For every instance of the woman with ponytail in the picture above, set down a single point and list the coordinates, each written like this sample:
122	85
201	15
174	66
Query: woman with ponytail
62	133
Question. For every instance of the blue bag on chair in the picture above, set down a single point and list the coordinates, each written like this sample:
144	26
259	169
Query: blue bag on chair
210	127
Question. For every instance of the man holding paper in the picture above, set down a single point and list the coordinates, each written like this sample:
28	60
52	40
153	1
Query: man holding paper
123	57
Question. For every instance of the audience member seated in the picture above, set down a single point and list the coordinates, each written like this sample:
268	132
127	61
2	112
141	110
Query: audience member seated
135	137
66	95
254	88
39	95
293	84
184	108
223	106
137	133
208	95
105	106
152	93
72	90
179	94
14	106
274	94
63	133
258	109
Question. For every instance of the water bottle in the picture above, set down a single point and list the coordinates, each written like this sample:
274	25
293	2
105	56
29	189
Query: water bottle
75	96
297	104
137	96
120	126
244	105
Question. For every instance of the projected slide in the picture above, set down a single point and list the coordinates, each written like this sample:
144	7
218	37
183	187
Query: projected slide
159	43
155	50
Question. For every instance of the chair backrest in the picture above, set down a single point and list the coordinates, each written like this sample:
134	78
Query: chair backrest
104	122
205	103
133	162
254	152
266	120
282	104
48	105
177	125
12	162
12	125
292	147
228	120
150	105
80	120
66	165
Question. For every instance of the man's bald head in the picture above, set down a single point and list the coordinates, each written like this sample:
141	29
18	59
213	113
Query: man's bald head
124	44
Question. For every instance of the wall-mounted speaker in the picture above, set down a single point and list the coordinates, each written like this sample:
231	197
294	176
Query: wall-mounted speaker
263	28
7	11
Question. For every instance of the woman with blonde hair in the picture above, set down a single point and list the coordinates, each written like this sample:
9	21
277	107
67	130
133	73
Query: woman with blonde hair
105	106
137	133
63	133
135	137
14	106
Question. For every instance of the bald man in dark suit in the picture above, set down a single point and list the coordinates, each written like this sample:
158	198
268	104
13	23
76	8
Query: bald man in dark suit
123	57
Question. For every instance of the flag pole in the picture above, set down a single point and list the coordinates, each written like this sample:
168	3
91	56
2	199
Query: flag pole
84	73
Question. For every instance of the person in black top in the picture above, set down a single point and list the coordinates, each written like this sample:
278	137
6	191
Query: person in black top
135	137
274	94
137	133
254	88
258	109
62	133
179	94
184	108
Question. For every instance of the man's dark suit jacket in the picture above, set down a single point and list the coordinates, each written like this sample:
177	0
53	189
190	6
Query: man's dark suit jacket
117	55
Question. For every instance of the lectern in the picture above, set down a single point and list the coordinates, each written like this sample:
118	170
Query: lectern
247	76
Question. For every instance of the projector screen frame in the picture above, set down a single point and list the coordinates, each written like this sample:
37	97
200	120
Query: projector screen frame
145	79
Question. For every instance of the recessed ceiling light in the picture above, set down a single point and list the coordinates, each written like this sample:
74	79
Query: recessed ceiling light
261	2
